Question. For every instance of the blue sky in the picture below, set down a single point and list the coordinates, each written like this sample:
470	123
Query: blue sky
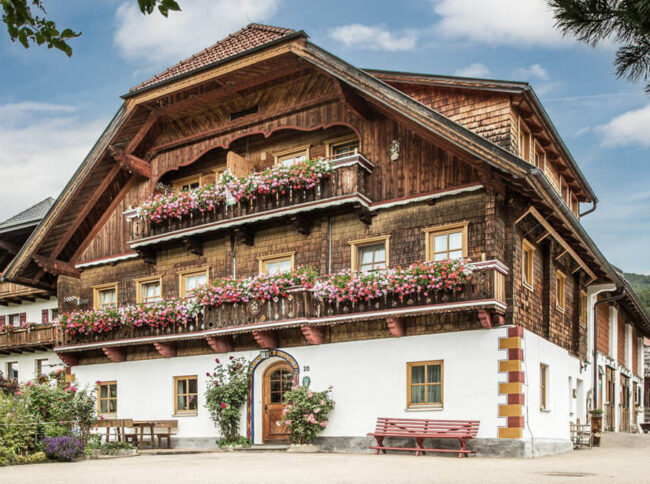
53	108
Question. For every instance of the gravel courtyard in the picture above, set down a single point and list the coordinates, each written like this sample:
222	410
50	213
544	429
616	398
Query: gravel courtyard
623	458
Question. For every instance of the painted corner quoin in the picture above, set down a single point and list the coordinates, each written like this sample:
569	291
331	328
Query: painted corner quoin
511	366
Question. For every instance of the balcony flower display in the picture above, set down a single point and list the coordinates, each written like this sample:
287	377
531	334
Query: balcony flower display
230	189
419	278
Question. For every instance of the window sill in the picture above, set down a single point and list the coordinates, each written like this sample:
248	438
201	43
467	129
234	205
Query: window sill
545	410
424	409
195	414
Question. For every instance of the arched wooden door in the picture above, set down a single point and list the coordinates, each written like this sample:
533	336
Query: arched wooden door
277	380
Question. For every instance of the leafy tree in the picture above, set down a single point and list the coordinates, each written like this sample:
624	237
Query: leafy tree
641	285
625	21
27	21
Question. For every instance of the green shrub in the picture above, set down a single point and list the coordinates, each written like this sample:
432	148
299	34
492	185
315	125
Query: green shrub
305	415
35	458
17	430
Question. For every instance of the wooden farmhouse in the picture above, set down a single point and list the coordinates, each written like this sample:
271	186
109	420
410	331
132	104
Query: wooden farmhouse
390	173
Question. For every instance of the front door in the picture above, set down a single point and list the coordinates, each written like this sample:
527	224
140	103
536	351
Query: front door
278	379
610	399
625	404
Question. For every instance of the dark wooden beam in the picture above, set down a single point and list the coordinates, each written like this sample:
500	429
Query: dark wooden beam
193	245
303	224
363	213
220	344
485	319
352	101
116	355
9	247
131	163
69	359
314	335
396	327
246	235
148	254
142	132
166	350
56	267
266	339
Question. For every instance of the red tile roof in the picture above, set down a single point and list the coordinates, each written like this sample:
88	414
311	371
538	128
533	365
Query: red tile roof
251	36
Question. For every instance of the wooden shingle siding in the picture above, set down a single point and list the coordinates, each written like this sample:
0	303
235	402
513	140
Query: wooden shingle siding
603	328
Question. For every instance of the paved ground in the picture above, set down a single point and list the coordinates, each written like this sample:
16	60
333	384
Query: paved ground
624	459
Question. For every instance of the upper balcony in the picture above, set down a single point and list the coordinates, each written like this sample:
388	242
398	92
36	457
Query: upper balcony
15	293
483	295
345	188
31	339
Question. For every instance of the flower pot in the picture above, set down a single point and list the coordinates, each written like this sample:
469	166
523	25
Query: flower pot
596	428
304	448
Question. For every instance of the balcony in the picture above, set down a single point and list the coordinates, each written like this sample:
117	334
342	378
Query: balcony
19	340
483	294
15	293
345	188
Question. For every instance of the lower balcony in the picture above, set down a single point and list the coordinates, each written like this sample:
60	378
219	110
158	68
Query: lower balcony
483	296
19	340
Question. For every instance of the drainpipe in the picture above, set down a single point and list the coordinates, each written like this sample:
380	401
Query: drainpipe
595	317
594	203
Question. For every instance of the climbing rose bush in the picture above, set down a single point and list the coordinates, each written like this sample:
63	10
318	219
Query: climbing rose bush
230	190
305	415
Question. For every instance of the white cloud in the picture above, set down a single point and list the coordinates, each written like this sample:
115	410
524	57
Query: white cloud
154	40
630	128
473	70
499	22
534	71
373	37
41	145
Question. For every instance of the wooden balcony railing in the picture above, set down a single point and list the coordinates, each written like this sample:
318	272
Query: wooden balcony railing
9	290
346	185
485	292
27	339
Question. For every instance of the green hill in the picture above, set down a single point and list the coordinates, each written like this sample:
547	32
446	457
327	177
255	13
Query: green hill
641	285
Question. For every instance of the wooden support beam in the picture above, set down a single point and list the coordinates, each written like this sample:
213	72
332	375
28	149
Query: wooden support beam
148	254
69	359
246	235
167	350
396	327
303	223
266	339
220	344
363	213
485	319
9	247
355	104
314	335
28	349
116	355
131	163
498	319
193	245
56	267
142	132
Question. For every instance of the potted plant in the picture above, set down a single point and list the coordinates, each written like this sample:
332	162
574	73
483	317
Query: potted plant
305	416
596	425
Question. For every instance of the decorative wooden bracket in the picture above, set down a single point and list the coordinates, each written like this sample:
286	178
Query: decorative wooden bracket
303	224
314	335
266	339
193	245
116	355
396	327
485	319
220	344
70	359
148	254
246	235
498	319
353	102
56	267
167	350
9	247
131	163
363	213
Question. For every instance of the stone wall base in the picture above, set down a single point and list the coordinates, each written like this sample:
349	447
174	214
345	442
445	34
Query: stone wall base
194	442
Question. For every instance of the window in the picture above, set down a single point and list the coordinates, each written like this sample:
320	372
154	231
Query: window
583	307
14	320
543	387
540	157
190	280
370	254
292	157
274	264
54	314
105	296
41	367
527	256
148	290
345	146
560	280
446	242
107	398
185	394
12	370
187	183
524	141
424	384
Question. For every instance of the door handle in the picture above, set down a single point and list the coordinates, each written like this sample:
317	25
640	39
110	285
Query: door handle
266	408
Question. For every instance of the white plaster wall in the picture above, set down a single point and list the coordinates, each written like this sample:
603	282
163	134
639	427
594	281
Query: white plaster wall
369	379
33	309
27	363
562	407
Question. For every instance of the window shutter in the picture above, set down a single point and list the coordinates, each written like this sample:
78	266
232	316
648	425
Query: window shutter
23	318
45	313
3	319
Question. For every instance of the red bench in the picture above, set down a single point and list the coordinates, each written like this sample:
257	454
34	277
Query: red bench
420	429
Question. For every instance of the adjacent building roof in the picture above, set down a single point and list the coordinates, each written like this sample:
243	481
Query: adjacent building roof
30	216
251	36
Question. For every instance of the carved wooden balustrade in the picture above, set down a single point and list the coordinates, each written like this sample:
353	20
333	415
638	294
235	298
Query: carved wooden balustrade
484	293
349	179
17	340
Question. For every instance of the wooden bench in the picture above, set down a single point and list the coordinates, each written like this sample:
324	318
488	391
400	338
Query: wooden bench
119	425
420	429
170	426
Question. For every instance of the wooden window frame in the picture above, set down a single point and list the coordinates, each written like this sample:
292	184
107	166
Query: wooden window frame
292	151
341	140
104	287
8	367
99	399
190	272
10	324
537	148
427	405
527	272
145	280
265	259
38	362
523	127
431	232
543	387
560	295
358	243
186	412
187	180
